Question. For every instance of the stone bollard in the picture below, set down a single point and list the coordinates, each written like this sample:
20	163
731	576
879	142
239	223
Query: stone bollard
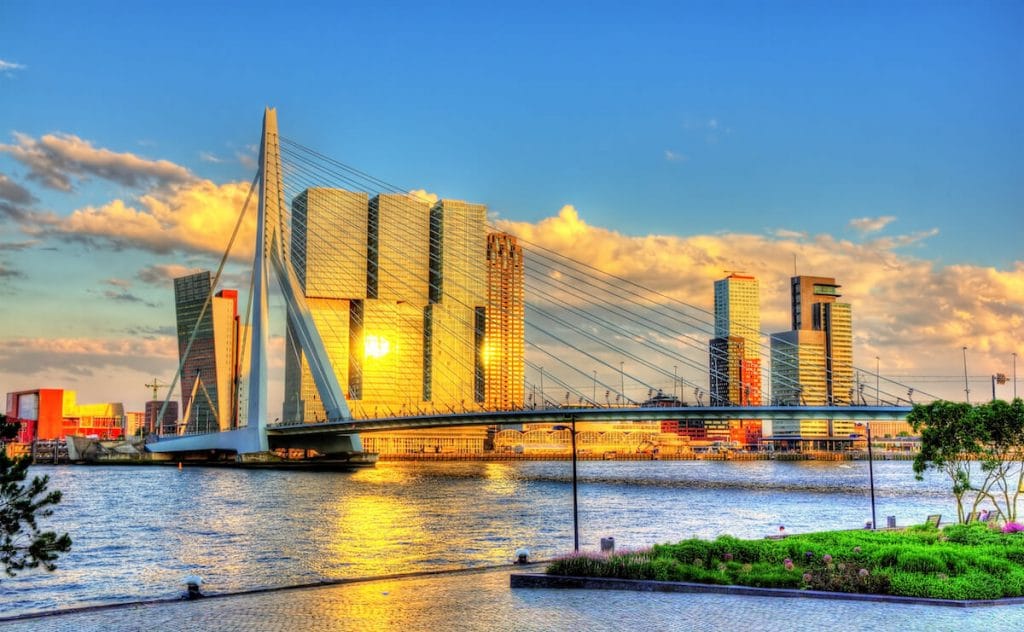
608	545
522	556
890	522
192	584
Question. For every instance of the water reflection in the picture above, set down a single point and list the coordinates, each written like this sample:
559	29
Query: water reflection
137	531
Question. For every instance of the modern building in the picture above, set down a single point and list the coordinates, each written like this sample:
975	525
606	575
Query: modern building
735	357
411	300
168	425
54	413
812	364
209	374
503	353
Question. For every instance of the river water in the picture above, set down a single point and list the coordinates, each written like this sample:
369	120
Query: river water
138	530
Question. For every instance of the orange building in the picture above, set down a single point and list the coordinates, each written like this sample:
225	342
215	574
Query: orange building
53	413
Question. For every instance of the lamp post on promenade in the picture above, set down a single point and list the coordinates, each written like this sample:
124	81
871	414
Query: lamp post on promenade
967	387
1014	354
575	502
871	475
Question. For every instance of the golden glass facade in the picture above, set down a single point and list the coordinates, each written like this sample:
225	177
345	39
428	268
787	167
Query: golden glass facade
399	292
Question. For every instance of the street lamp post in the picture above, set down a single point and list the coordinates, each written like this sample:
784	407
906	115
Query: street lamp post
967	387
622	381
878	385
871	477
1014	374
575	502
595	388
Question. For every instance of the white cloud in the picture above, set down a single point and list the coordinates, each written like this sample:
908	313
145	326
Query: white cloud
198	217
914	313
674	156
164	273
426	196
206	156
7	67
867	225
58	160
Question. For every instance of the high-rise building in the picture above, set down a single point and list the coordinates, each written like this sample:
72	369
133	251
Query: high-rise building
505	337
812	365
210	370
399	291
735	358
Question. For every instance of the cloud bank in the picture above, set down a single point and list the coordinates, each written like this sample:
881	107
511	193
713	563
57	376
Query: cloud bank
915	314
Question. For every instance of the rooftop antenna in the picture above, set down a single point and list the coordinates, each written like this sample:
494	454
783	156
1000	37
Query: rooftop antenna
794	264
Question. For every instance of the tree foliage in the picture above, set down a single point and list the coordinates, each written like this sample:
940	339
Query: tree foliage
22	543
955	435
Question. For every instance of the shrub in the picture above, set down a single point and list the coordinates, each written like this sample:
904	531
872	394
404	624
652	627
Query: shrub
915	561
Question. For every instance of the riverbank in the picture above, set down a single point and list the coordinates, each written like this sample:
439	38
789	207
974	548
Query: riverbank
626	456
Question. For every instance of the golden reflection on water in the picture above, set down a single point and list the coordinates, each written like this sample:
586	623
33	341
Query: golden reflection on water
382	473
375	534
500	480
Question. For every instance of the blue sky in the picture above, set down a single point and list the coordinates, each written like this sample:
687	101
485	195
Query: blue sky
680	119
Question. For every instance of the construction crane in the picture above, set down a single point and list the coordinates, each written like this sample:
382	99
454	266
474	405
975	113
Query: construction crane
156	386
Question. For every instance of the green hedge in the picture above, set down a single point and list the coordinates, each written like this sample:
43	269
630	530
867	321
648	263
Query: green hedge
958	562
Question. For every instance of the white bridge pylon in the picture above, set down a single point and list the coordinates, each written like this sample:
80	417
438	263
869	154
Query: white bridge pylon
271	252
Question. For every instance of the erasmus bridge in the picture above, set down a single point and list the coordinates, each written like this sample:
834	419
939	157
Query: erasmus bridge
582	327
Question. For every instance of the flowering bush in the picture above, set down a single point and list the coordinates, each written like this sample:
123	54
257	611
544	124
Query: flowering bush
1013	527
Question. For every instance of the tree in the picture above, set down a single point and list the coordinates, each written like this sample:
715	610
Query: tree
950	440
953	435
22	544
1002	461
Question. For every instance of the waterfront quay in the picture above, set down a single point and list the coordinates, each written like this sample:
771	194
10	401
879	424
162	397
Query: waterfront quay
483	600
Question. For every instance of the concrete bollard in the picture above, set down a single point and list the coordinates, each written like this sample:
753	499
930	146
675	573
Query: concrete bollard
890	522
522	556
608	545
192	584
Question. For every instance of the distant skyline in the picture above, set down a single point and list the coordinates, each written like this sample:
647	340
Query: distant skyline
880	143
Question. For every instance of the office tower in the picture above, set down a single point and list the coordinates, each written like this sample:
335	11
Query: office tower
735	359
812	365
453	334
398	290
209	372
505	338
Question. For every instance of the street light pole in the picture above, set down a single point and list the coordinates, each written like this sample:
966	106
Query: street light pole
967	387
622	382
1014	374
575	502
871	476
878	387
595	387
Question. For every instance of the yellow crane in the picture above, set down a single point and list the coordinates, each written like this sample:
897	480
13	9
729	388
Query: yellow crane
156	386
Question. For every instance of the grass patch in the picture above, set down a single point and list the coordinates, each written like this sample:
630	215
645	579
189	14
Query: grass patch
958	562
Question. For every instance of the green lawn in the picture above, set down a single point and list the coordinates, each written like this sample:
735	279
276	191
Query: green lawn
957	562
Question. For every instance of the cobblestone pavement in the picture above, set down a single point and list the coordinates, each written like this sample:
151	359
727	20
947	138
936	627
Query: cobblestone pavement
484	601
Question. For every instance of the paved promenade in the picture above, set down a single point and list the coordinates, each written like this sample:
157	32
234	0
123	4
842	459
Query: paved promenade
484	601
